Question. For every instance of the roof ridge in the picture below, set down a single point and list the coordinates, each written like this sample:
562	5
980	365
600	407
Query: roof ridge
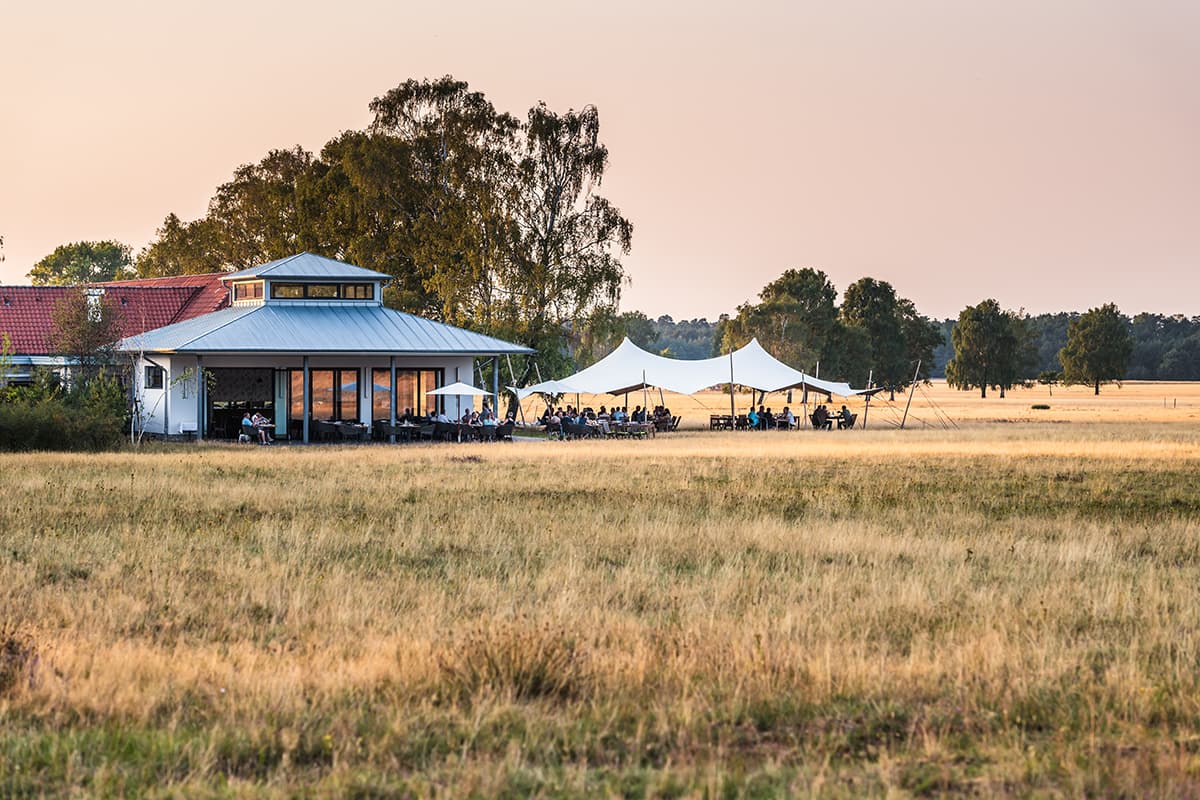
281	261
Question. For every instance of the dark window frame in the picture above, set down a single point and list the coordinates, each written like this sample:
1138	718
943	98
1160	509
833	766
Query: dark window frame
159	377
255	290
342	291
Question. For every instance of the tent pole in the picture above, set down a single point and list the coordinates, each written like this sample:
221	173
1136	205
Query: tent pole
732	410
911	388
867	407
644	400
512	376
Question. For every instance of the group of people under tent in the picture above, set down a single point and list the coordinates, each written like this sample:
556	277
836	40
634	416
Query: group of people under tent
763	419
553	419
823	420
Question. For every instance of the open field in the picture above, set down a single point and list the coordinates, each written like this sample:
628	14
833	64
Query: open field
1002	609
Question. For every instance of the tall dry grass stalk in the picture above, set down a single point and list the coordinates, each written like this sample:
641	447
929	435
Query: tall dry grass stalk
1006	609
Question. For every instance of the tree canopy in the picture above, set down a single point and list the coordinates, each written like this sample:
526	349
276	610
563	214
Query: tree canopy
1098	348
482	219
83	262
85	327
992	349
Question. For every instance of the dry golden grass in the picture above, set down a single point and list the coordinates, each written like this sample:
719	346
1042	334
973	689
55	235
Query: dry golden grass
998	609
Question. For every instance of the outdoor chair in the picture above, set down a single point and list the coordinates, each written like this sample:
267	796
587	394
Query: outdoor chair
324	430
445	431
486	433
743	423
428	431
849	423
504	432
675	422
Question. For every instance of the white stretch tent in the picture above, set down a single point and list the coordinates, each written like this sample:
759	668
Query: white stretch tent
545	387
629	368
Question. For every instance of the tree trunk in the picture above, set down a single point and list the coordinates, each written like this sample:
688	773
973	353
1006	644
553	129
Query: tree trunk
1097	387
983	390
1001	391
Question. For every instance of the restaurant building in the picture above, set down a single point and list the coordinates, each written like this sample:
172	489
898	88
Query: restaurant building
302	339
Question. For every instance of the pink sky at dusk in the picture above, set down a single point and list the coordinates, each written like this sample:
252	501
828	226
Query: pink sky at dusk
1042	152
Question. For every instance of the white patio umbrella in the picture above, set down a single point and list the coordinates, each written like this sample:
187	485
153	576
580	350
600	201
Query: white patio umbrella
459	389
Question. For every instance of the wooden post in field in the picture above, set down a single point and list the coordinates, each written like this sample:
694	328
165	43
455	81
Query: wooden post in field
911	387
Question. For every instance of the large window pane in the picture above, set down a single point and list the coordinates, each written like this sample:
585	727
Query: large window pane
381	394
406	392
348	390
322	393
429	381
323	291
297	391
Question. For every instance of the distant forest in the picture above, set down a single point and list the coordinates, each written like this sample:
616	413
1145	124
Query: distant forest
1164	347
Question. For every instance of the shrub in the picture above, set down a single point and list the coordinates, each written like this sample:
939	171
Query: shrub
1040	407
516	659
18	658
45	417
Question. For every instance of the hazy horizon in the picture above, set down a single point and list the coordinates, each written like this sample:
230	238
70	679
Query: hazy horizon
1041	154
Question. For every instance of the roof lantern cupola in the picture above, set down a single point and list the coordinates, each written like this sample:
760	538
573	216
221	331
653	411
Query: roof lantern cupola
306	279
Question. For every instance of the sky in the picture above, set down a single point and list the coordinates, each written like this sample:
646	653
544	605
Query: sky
1045	153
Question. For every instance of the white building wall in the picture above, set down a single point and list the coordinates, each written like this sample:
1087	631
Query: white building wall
174	409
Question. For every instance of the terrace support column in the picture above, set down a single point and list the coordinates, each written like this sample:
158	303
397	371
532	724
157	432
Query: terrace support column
392	410
199	397
496	388
307	400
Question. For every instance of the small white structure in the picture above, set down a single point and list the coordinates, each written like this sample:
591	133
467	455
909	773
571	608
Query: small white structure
305	339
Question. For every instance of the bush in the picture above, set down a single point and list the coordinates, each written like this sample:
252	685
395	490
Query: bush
518	660
18	658
1040	407
44	417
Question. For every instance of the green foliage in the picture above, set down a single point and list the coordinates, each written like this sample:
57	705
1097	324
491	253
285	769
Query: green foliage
83	262
483	220
896	336
85	328
796	320
690	339
90	415
1098	348
992	348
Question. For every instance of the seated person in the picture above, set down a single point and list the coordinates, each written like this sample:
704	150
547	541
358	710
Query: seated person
262	425
788	417
768	419
753	418
604	415
844	417
248	433
486	419
618	414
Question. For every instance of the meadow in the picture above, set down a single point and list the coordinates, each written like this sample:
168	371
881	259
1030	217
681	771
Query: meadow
1009	607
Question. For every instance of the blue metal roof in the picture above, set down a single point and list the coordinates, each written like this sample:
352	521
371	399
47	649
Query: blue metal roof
307	266
317	328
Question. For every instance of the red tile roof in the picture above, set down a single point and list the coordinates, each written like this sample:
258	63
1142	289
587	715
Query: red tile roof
210	294
26	311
